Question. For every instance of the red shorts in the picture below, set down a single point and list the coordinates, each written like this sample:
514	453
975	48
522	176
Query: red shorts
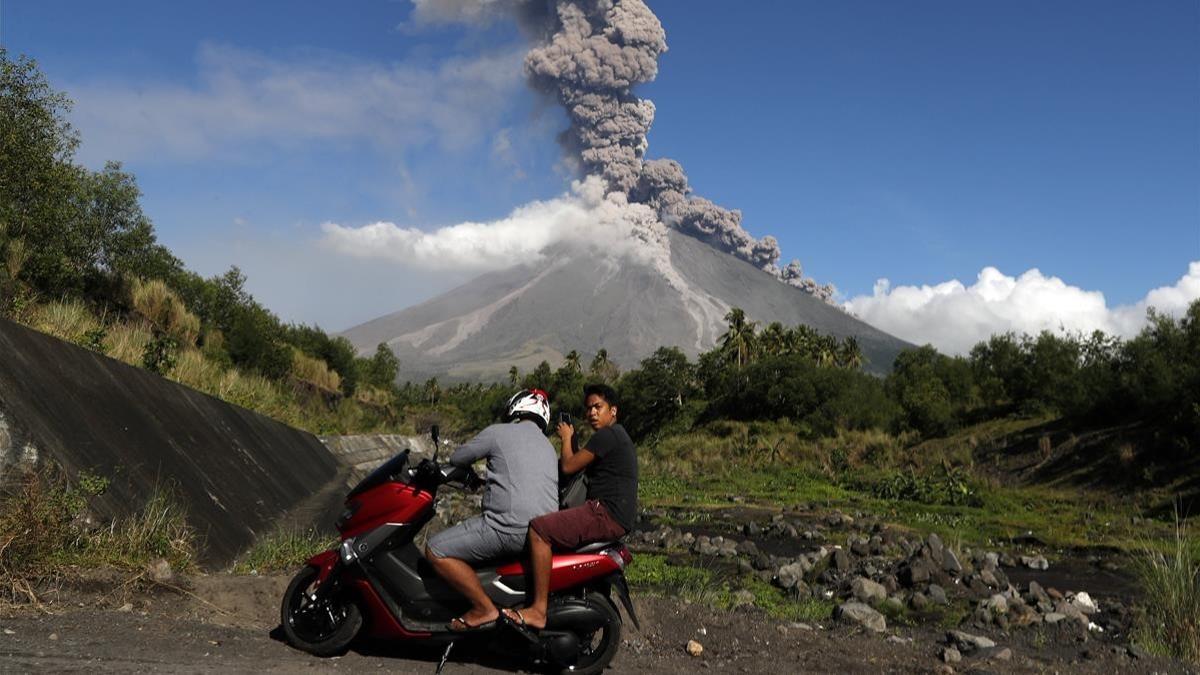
569	529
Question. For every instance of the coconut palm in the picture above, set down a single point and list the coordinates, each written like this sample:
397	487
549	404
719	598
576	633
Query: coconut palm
740	341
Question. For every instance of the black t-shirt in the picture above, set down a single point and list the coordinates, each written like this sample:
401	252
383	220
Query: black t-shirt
613	475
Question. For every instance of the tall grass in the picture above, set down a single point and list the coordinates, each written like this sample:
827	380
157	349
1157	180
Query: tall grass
126	342
69	320
314	371
1171	595
45	531
158	304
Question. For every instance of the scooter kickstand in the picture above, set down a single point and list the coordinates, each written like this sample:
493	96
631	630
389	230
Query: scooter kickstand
445	655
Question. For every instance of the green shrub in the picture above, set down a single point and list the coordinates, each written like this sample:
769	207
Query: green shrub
949	486
1170	621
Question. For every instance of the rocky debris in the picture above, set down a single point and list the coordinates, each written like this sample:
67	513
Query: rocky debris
867	591
966	642
743	597
694	648
161	572
951	655
1035	562
863	615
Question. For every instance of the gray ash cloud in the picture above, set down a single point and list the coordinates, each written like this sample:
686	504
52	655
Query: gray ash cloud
590	55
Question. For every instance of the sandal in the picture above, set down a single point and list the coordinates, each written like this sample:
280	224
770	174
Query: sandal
459	625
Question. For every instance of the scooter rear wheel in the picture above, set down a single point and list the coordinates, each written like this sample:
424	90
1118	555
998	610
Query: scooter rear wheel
597	648
324	626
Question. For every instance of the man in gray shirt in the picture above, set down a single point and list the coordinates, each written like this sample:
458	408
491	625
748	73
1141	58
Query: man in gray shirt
522	484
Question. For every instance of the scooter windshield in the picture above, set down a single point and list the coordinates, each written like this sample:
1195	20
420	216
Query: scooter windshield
391	470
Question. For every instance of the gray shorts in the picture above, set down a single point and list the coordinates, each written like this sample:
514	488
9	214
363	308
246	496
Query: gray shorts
474	540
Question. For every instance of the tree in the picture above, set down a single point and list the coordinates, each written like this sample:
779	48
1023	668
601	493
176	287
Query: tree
602	369
850	355
738	342
514	375
657	392
382	368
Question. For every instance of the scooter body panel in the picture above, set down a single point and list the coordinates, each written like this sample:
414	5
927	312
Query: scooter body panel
390	502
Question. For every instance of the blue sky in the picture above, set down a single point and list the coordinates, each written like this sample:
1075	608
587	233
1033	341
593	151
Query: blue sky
922	142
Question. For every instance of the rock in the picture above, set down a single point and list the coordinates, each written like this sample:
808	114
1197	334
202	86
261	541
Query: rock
1035	594
897	640
1053	617
890	583
936	547
1038	562
988	577
1003	654
54	636
694	648
127	607
1023	615
747	548
919	601
1136	652
161	572
1054	594
915	572
892	605
951	655
789	575
751	529
867	591
762	561
744	566
743	597
937	595
857	612
875	544
997	604
950	563
991	561
968	642
842	561
860	547
1006	560
1084	602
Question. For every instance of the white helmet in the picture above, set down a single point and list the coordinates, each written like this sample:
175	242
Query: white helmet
530	404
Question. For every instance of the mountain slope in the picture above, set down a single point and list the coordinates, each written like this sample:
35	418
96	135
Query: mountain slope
629	305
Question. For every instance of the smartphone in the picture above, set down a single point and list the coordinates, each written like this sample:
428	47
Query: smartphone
564	417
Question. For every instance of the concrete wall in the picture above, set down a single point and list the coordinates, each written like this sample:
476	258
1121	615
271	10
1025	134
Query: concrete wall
236	471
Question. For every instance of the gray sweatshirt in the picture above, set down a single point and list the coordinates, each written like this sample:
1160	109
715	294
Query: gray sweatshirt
522	473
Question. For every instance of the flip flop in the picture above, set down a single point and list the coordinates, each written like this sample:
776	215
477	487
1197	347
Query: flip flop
459	625
520	620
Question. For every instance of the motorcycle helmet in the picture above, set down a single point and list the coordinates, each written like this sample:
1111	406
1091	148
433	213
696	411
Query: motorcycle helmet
529	404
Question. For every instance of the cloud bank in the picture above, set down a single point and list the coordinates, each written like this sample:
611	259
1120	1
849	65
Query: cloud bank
954	317
245	98
583	215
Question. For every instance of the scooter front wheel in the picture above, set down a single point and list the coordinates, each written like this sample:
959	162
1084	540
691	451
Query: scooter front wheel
323	625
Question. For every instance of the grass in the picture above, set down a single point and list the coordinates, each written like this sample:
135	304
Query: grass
710	584
282	551
45	531
1170	581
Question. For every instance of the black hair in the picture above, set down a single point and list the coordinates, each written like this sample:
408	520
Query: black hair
603	391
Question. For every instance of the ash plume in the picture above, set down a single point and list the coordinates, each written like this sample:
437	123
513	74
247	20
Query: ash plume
590	55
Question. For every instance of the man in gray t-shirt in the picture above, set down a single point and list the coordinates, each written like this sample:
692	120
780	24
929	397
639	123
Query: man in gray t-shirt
522	484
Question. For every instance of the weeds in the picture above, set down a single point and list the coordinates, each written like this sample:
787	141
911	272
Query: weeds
282	551
46	530
1170	583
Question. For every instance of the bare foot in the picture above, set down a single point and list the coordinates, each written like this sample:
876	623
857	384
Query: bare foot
526	617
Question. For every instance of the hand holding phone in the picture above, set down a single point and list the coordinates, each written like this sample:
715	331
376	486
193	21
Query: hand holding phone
564	418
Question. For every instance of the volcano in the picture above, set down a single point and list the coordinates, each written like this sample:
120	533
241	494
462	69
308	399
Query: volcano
589	301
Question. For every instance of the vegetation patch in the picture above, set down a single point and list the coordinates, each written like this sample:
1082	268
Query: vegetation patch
46	531
1170	581
282	551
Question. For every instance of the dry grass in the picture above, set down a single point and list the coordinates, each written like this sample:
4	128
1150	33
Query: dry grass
127	342
159	305
44	532
314	371
68	320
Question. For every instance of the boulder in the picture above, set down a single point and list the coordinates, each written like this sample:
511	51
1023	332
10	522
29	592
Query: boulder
968	642
863	615
937	595
867	591
950	563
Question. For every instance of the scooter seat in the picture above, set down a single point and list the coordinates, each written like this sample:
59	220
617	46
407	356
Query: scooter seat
600	545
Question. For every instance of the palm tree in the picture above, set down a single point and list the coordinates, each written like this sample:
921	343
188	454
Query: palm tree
773	340
739	342
850	354
571	361
514	376
432	390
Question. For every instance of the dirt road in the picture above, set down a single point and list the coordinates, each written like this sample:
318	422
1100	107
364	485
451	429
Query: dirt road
229	624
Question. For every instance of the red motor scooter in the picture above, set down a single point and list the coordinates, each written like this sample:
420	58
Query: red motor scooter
378	584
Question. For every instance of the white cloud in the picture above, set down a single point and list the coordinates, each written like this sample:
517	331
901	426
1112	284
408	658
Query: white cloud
954	317
242	98
522	236
477	12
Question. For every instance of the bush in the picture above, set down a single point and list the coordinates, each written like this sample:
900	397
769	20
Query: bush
1170	624
949	486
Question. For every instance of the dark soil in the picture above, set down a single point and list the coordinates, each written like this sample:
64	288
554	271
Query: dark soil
230	624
